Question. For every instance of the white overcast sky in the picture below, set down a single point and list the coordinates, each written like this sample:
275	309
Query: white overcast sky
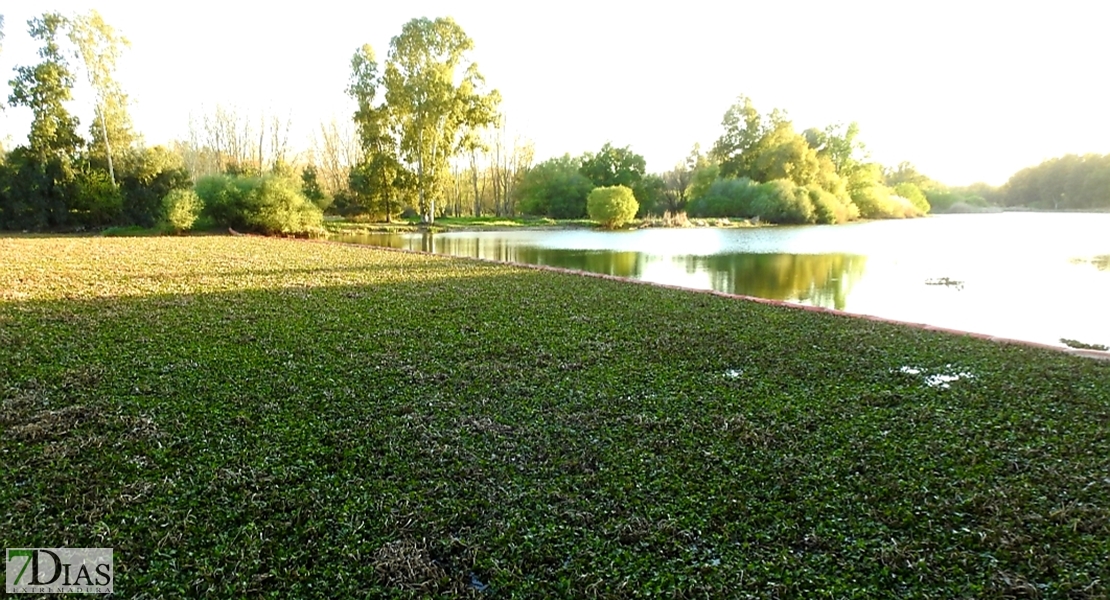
966	90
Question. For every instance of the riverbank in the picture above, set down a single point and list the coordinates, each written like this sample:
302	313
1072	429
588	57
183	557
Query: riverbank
341	227
265	417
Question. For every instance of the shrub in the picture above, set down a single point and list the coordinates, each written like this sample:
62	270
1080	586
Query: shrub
182	207
829	209
277	206
93	200
726	198
554	188
914	194
145	177
269	204
612	206
948	200
879	202
224	198
781	201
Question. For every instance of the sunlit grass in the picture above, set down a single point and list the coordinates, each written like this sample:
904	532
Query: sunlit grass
260	417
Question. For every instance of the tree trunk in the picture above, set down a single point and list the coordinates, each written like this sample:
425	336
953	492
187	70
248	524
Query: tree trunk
107	145
474	181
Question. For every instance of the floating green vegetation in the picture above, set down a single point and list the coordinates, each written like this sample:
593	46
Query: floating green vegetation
1082	345
945	281
251	417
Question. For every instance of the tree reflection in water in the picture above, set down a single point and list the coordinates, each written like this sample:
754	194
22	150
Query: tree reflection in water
818	279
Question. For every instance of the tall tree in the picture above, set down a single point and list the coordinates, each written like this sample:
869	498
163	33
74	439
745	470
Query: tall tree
435	99
839	144
379	181
99	46
744	128
45	88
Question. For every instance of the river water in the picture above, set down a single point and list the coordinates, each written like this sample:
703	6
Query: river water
1040	277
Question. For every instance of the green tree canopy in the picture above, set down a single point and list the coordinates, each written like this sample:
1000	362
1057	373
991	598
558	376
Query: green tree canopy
614	166
905	172
99	46
435	100
651	195
45	88
554	188
1067	182
380	183
767	148
911	192
744	130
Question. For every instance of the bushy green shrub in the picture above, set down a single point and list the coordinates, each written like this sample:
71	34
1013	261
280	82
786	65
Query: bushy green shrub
945	200
182	207
554	188
777	201
731	198
914	194
277	206
879	202
612	206
225	198
781	201
145	177
829	208
93	200
269	204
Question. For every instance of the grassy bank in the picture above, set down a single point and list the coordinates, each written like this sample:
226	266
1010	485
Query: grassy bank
444	224
348	226
258	417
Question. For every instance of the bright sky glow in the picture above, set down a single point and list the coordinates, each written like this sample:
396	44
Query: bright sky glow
966	90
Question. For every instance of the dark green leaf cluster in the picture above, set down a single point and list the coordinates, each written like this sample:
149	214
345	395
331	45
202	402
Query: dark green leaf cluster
558	187
310	187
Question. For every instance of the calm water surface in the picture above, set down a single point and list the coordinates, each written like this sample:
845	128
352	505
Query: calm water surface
1032	276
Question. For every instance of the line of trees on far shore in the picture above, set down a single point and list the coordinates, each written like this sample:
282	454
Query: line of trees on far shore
427	140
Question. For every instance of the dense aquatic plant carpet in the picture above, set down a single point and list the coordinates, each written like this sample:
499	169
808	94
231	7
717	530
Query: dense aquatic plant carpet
251	417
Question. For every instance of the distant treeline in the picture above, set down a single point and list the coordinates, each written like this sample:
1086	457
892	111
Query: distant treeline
1070	182
760	168
404	152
